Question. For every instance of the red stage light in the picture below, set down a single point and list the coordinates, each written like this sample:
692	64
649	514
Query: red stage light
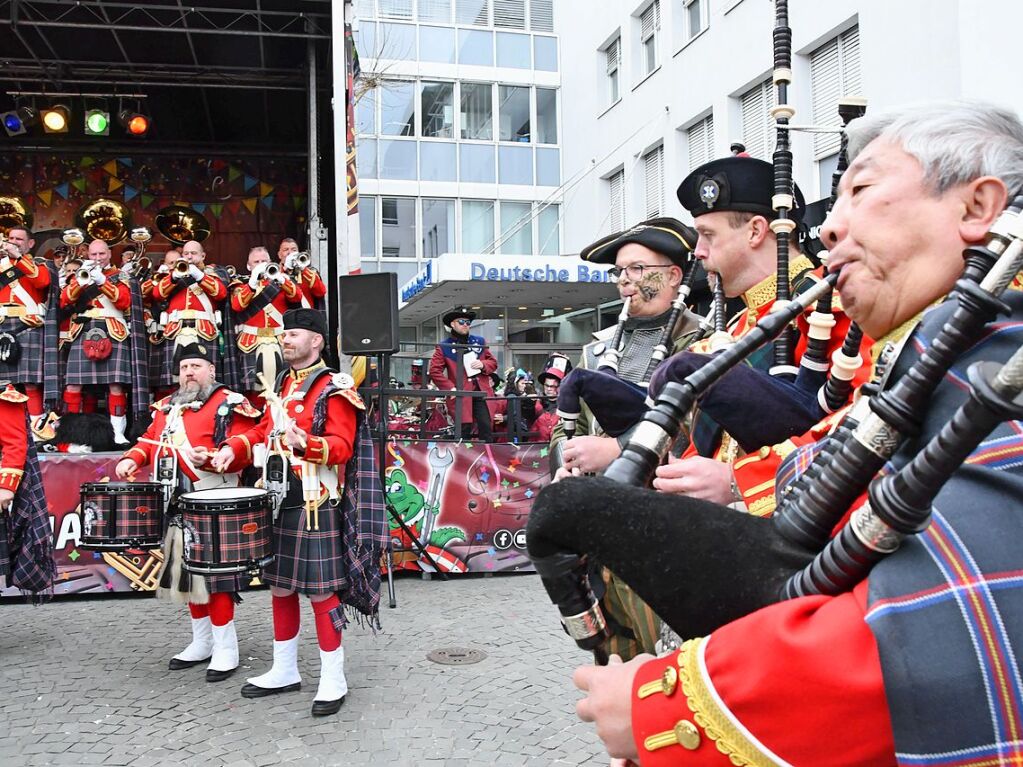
134	123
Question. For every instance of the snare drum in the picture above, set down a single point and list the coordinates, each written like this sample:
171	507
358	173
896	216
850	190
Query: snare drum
117	516
226	530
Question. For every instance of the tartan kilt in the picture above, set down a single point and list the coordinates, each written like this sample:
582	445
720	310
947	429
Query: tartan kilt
117	368
29	367
307	561
224	583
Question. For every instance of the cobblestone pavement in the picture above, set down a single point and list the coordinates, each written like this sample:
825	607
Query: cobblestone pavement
85	681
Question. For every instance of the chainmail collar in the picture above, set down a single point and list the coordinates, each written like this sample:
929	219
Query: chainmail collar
646	323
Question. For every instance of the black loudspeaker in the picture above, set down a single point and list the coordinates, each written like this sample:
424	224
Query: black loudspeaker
369	313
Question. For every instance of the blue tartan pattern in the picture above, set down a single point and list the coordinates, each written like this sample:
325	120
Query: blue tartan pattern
947	608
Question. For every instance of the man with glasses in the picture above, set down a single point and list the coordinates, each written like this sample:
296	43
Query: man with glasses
463	361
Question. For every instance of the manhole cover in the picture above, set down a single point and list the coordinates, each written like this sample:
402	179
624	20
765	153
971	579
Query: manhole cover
456	656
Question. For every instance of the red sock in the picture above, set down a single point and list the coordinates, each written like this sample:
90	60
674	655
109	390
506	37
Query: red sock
222	608
287	617
199	611
73	401
326	633
117	404
89	403
35	399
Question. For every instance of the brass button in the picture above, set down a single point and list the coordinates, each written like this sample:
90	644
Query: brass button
764	452
669	680
687	735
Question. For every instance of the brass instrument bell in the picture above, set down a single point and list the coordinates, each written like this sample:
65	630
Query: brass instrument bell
14	213
104	219
180	224
73	237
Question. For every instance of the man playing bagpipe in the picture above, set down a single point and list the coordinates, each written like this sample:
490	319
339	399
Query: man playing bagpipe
258	308
312	443
28	325
896	644
649	263
188	297
107	338
26	540
308	279
187	426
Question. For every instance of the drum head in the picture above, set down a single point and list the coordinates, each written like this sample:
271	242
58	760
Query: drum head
221	494
121	487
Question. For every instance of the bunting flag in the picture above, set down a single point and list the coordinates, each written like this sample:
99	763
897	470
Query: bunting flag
249	182
126	161
45	196
130	193
268	202
233	206
182	204
87	162
233	173
265	188
111	167
114	184
62	190
147	200
79	184
216	209
199	207
250	204
297	202
96	177
218	165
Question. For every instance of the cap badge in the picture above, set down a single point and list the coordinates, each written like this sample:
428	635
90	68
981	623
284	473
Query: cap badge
709	192
201	349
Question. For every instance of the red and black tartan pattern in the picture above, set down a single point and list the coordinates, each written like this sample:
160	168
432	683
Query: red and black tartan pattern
243	537
81	371
307	561
225	583
161	365
113	518
27	545
29	367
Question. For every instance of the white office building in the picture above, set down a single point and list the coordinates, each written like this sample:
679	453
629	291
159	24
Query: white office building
656	87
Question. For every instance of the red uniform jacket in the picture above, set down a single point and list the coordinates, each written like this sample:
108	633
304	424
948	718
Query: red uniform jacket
266	323
448	374
13	438
198	302
334	448
199	425
312	287
117	293
33	285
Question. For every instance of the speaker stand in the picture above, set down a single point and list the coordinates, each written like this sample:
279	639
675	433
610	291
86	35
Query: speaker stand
384	376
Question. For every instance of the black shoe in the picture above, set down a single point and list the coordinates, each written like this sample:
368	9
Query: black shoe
255	691
219	676
176	664
327	707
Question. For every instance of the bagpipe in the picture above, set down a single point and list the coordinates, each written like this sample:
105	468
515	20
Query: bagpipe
697	584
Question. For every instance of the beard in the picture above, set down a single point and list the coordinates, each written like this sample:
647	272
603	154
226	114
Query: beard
191	392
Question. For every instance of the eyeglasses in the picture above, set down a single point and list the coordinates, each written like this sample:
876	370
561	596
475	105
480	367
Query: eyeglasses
463	322
635	271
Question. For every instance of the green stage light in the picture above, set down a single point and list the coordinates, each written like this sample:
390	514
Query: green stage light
97	122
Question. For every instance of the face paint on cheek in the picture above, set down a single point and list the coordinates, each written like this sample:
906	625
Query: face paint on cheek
650	285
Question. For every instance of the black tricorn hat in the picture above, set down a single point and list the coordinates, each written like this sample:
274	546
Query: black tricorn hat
668	236
458	311
194	351
743	184
305	319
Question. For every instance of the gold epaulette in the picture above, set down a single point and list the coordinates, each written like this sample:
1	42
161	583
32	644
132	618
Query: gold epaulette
10	394
241	405
351	395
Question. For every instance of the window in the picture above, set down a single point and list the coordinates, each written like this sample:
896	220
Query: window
366	40
541	15
834	73
366	113
701	142
476	47
545	53
435	10
546	116
616	190
366	157
513	50
613	53
437	161
649	24
517	228
510	14
653	164
548	167
398	160
437	44
398	216
694	19
397	108
477	112
438	110
438	227
396	41
368	227
475	12
476	163
514	113
477	226
548	231
365	9
757	124
515	165
396	9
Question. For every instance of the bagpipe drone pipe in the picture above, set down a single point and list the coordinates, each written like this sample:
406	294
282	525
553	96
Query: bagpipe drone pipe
699	565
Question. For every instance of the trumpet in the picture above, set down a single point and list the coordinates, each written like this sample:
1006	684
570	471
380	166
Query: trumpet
84	274
181	267
272	271
298	262
138	268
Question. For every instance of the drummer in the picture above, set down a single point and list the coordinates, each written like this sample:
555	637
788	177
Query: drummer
186	426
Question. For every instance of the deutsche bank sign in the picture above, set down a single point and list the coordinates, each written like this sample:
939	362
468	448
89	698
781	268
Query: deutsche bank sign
546	273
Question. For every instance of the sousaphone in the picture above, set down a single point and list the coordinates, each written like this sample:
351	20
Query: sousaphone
104	219
180	224
13	213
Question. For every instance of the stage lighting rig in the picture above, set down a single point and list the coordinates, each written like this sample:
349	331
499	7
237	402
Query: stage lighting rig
134	123
97	122
56	118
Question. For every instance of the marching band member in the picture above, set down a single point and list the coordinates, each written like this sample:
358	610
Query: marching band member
195	419
106	336
25	288
26	540
189	295
258	306
451	370
308	279
311	421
